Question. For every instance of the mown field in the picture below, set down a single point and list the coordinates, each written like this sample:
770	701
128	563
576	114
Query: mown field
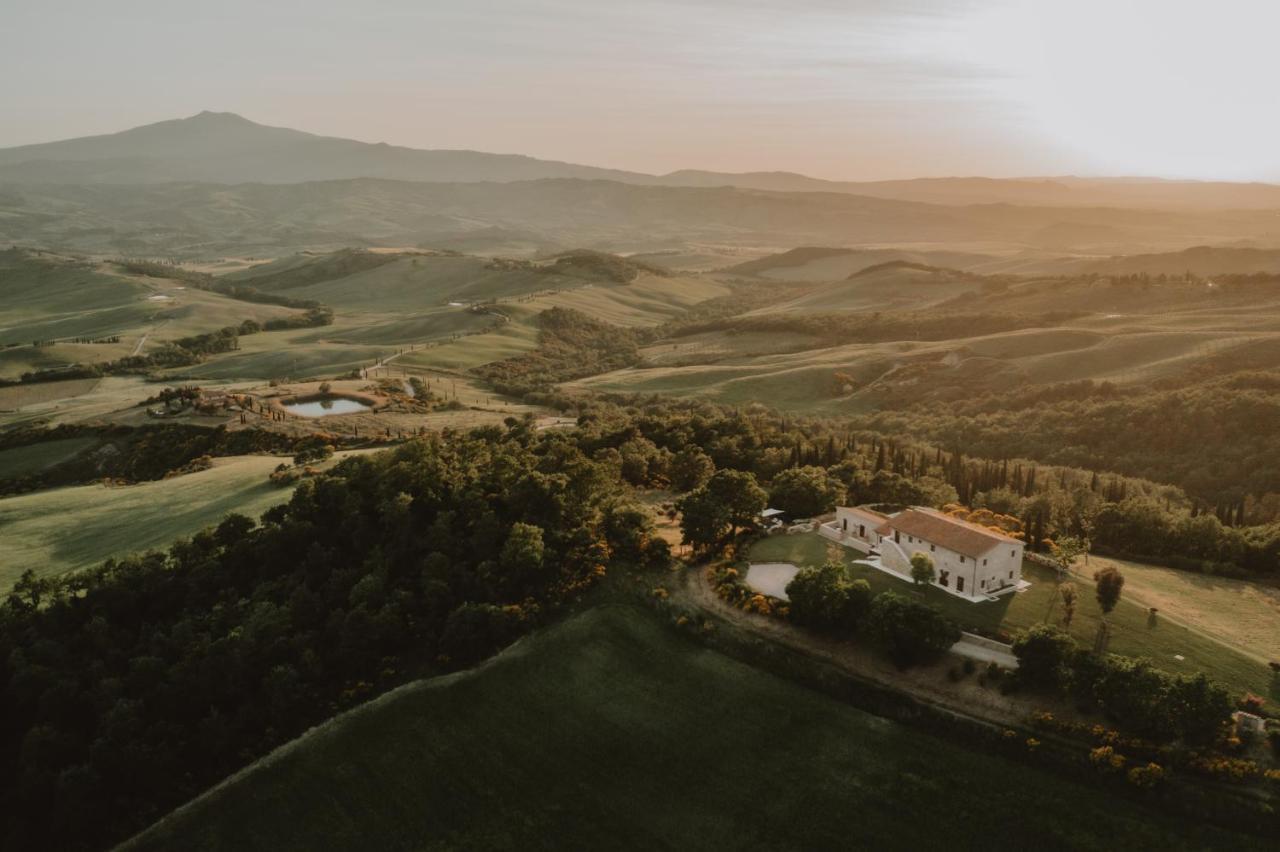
1135	632
66	529
1243	614
20	461
611	731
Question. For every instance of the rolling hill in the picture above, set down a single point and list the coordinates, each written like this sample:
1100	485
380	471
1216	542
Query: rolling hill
190	220
612	731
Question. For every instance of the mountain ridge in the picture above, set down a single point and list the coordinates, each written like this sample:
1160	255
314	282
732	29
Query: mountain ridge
224	147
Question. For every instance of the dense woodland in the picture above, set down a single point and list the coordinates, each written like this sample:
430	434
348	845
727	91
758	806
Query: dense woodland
1215	440
131	687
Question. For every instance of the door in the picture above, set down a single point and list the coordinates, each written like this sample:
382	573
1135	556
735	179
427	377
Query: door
959	583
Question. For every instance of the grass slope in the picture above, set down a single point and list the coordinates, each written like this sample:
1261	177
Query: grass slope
67	529
1134	633
20	461
610	731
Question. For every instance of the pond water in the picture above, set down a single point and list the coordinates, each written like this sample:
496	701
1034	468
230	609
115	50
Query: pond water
771	577
323	407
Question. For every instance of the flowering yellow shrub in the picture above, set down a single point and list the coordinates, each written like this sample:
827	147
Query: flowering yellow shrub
1147	776
1106	759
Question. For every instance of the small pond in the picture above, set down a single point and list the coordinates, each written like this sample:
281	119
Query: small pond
326	406
771	578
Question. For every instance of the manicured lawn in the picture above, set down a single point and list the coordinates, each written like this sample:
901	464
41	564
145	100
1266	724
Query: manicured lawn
1134	632
611	731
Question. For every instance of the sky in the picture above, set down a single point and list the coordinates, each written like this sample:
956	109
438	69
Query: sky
840	89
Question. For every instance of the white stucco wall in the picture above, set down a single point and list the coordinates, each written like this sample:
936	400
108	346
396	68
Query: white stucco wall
858	524
982	576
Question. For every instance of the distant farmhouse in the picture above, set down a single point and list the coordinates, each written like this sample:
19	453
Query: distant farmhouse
972	561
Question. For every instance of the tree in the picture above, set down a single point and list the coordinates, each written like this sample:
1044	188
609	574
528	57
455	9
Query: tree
911	632
805	491
1044	653
522	555
741	496
922	570
1067	591
627	529
1109	582
690	469
704	520
1064	552
823	598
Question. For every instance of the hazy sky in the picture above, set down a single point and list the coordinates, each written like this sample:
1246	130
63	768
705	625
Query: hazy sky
855	89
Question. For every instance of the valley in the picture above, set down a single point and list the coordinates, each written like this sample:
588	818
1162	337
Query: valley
411	494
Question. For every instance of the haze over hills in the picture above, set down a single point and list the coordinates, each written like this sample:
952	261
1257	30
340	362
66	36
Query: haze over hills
221	147
523	217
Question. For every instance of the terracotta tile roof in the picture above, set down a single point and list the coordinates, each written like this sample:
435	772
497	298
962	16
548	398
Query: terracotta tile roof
945	531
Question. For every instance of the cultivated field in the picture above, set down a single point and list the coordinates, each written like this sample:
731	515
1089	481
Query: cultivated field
67	529
612	731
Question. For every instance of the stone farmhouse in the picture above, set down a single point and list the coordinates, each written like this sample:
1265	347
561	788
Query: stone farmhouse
971	561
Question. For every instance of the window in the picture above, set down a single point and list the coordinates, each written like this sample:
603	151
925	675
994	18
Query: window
959	584
983	584
962	560
984	562
1013	553
944	579
862	530
1010	575
932	547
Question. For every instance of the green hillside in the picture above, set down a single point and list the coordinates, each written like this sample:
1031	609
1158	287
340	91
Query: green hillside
611	731
66	529
45	296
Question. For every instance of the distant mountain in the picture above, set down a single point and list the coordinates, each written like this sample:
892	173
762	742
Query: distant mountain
226	148
222	147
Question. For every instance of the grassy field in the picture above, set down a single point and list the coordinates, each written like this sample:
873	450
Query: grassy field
1243	614
20	461
71	528
1134	632
611	731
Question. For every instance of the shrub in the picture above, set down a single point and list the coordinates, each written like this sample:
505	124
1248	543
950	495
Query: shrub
1043	653
823	598
911	632
1107	759
1147	776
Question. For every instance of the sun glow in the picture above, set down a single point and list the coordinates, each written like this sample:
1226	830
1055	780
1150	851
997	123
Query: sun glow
1138	87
